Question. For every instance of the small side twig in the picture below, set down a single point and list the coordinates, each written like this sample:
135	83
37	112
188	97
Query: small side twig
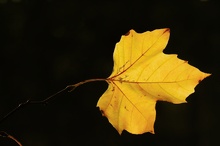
6	135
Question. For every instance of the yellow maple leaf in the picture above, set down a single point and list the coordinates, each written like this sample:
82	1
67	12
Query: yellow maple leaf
141	76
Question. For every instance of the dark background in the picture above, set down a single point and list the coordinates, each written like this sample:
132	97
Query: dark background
46	45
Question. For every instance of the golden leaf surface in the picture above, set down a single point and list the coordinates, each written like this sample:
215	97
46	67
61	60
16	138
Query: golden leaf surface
143	75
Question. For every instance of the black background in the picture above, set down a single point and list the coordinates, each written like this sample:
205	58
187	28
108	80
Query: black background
46	45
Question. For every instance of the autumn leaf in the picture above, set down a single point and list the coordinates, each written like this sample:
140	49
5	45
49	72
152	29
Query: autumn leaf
143	75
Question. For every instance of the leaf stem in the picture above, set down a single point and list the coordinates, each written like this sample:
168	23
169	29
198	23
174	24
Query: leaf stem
45	101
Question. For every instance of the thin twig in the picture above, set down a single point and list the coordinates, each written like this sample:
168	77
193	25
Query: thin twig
6	135
45	101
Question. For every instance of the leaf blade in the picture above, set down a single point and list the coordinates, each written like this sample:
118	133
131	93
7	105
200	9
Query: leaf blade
141	76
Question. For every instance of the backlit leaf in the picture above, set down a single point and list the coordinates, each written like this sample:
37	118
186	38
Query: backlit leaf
143	75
